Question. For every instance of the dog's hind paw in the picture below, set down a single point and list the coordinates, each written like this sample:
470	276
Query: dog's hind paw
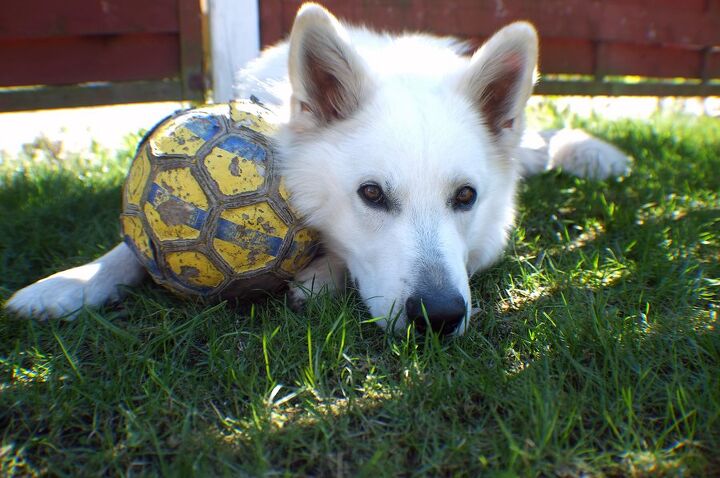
580	154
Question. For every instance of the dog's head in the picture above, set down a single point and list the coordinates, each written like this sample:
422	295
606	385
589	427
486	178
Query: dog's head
401	157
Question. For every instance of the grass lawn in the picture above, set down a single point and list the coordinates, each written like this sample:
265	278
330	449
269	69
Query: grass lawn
596	352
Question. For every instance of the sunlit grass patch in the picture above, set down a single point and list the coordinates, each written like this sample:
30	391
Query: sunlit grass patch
595	350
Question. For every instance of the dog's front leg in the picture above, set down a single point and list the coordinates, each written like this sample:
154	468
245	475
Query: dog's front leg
93	285
324	274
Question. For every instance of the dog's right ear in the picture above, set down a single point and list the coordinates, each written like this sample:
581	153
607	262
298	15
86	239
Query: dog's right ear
327	75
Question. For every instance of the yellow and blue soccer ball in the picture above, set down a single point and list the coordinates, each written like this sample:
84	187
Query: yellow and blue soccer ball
205	210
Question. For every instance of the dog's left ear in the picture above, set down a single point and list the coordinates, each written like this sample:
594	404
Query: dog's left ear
501	75
328	77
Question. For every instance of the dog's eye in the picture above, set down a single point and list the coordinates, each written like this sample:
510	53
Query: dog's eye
372	194
464	198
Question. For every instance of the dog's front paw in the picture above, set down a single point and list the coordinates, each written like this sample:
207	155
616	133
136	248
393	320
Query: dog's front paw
323	274
297	296
61	295
314	279
583	155
64	294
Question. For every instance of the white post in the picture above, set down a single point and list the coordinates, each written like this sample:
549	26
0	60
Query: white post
234	40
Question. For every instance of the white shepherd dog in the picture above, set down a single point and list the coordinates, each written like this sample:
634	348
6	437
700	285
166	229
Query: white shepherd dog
403	152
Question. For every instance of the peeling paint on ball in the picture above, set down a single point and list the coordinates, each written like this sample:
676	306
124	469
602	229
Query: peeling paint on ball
205	210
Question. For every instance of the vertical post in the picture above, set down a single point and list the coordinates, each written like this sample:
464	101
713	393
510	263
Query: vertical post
234	40
191	50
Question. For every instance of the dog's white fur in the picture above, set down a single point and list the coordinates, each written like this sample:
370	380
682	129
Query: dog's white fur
408	113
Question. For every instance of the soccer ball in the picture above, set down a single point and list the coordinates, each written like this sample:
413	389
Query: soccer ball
205	210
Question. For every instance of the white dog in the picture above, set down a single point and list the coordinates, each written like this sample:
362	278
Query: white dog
405	155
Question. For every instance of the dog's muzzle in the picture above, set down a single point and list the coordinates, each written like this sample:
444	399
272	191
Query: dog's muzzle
443	310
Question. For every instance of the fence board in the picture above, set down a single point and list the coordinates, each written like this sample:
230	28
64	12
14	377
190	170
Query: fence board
580	19
60	61
89	95
562	55
46	19
272	21
191	50
642	60
687	5
647	38
595	88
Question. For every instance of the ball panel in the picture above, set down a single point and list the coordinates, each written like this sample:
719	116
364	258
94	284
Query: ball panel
137	177
194	270
185	133
181	184
284	193
249	238
251	115
285	196
254	287
176	206
135	236
237	165
302	249
167	232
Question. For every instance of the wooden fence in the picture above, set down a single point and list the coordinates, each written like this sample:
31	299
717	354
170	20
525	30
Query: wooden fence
85	52
82	52
673	45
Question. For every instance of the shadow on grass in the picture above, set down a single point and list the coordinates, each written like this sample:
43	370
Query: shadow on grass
584	377
563	384
54	216
596	352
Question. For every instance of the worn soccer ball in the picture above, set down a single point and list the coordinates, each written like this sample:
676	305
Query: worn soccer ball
205	210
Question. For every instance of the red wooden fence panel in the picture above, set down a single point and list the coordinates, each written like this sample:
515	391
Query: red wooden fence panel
68	60
48	19
98	51
56	53
665	39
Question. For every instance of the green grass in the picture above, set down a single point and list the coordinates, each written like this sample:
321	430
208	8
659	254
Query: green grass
596	352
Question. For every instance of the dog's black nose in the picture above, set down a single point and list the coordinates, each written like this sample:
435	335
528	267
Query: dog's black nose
445	311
